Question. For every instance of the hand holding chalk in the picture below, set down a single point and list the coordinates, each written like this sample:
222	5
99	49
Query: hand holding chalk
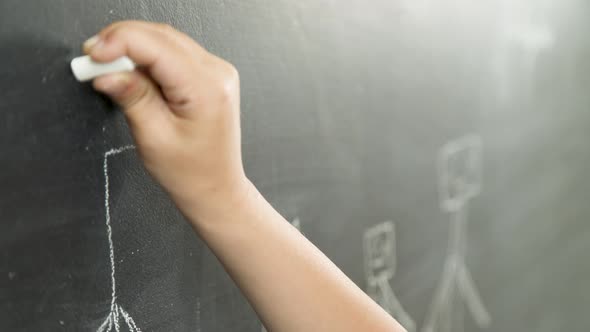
182	109
86	69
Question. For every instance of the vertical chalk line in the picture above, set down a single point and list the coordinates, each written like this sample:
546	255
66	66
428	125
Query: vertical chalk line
113	318
198	315
108	219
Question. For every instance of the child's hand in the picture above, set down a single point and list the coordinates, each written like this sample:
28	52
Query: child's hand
183	110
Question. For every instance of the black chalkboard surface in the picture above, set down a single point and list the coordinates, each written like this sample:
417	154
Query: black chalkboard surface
437	151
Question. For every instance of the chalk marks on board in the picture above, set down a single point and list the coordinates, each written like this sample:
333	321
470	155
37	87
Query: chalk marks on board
297	224
380	263
198	315
460	177
117	315
459	166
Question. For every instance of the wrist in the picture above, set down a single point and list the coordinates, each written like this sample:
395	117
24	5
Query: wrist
218	205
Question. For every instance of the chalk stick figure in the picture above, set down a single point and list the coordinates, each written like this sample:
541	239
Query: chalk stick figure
117	315
380	265
460	177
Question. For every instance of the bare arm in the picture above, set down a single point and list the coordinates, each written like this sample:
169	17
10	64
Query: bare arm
183	111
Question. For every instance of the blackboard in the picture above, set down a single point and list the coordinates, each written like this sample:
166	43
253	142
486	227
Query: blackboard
437	151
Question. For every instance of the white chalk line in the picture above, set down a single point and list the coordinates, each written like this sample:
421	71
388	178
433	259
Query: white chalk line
198	315
297	224
112	321
105	325
129	320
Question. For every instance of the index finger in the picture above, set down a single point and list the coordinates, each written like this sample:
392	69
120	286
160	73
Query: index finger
159	48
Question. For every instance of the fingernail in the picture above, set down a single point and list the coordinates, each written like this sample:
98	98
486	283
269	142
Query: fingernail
91	43
113	84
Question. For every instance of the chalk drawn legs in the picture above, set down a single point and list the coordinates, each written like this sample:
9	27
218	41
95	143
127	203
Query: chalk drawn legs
113	320
380	265
459	169
118	316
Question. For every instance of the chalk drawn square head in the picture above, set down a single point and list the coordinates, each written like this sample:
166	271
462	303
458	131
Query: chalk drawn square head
460	172
379	249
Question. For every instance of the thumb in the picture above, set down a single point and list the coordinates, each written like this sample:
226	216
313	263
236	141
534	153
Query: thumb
135	93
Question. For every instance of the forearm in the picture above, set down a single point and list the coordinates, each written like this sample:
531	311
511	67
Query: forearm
288	281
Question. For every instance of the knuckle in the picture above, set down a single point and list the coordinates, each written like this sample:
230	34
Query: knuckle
228	80
124	30
113	27
231	72
116	32
165	28
227	90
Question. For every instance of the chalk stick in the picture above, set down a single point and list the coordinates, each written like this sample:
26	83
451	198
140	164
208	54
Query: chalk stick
86	69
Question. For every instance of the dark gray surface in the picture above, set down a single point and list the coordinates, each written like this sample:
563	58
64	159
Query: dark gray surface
345	107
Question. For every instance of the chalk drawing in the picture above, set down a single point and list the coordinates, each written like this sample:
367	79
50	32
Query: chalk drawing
380	264
198	315
460	177
118	315
297	224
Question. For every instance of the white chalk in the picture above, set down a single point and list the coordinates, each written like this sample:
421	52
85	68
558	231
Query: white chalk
86	69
